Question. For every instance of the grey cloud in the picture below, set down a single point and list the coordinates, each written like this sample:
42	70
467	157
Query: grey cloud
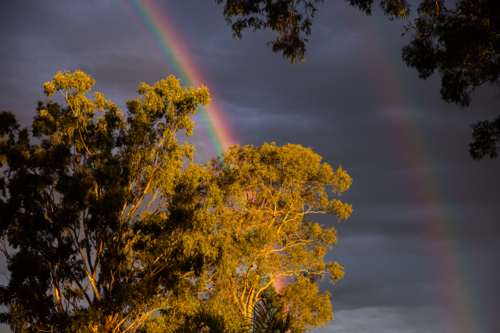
407	154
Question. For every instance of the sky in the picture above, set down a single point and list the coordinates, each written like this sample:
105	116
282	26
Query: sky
421	250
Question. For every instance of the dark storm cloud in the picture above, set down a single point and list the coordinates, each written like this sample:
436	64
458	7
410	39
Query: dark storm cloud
407	155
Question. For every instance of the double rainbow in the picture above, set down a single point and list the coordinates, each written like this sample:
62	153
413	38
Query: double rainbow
165	42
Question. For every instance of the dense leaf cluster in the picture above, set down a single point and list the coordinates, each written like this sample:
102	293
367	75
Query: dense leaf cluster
486	136
463	45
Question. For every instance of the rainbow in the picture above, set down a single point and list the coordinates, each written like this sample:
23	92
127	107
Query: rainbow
447	263
166	44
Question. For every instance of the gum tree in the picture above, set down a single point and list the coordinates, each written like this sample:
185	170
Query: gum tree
259	201
108	226
87	223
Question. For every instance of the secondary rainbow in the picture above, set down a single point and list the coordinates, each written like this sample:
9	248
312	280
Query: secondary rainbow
448	264
165	42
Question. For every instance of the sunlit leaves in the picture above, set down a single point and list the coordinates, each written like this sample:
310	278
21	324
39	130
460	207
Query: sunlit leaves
263	195
114	228
87	208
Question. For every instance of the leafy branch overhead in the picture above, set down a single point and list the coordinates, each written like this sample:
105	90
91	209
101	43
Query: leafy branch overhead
463	45
292	19
460	40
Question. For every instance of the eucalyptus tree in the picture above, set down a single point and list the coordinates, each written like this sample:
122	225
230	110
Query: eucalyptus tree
107	225
92	236
259	201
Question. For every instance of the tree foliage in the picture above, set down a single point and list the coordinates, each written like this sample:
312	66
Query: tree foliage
86	216
259	199
461	42
108	226
291	19
269	317
486	136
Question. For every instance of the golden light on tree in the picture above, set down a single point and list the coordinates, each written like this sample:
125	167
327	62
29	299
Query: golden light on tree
108	225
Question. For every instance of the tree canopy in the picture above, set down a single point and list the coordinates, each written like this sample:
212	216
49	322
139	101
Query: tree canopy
255	201
260	199
85	217
463	45
291	19
461	42
107	225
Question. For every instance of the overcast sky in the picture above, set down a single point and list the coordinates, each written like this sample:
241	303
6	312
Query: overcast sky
421	250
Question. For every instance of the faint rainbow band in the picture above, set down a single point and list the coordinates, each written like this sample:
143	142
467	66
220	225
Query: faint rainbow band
448	263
